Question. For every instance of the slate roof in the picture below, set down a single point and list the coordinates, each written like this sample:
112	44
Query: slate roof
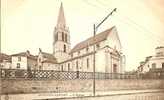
61	18
49	61
90	41
24	54
4	56
49	58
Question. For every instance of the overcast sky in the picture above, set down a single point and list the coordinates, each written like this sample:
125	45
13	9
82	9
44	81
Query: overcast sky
29	24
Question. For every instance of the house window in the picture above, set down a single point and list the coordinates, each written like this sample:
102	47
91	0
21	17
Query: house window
68	66
114	68
18	65
65	37
19	58
153	65
77	66
62	36
162	65
64	48
87	63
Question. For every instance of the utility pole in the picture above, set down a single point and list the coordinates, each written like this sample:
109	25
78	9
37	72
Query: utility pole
94	52
95	28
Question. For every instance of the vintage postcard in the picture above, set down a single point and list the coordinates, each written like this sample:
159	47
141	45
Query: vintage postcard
82	50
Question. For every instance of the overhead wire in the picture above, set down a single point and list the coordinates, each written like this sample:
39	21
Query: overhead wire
150	33
133	22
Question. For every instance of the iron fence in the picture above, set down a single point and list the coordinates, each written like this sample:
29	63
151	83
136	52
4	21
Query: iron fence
62	75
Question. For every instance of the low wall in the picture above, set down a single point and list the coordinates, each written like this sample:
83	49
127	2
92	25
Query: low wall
35	86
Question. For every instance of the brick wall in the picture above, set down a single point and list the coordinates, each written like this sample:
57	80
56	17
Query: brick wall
31	86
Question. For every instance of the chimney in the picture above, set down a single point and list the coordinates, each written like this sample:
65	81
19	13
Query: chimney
28	53
40	50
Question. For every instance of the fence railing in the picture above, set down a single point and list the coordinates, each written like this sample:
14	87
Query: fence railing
59	75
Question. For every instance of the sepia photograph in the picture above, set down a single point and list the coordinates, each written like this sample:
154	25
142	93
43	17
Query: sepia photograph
82	50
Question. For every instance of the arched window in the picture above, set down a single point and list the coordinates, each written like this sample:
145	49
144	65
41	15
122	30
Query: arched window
114	68
65	37
64	48
77	66
40	67
68	66
62	36
62	68
87	63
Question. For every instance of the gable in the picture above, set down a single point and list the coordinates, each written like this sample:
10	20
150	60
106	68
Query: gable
46	58
113	40
91	41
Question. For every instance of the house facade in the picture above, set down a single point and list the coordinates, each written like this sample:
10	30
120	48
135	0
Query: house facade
153	62
24	60
5	61
47	61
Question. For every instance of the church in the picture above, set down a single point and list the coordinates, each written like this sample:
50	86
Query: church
108	55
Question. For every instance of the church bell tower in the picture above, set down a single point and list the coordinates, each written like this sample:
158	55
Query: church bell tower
61	44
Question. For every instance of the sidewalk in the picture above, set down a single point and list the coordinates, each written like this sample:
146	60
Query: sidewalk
38	96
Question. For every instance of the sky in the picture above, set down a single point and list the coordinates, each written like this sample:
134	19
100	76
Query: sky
29	24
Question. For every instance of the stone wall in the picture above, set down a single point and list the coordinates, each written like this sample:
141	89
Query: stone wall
36	86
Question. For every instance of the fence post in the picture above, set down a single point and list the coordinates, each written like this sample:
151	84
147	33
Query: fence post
77	74
0	73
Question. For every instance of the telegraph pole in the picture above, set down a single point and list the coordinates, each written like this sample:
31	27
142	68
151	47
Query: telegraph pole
95	28
94	52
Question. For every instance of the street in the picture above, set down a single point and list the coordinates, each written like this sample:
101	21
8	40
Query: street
111	95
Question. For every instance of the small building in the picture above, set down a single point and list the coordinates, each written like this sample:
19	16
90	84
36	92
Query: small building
5	61
153	62
24	60
47	61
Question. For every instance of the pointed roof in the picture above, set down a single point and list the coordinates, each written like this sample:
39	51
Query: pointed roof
49	58
26	54
61	18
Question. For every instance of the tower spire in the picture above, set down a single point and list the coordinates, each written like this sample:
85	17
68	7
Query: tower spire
61	44
61	18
